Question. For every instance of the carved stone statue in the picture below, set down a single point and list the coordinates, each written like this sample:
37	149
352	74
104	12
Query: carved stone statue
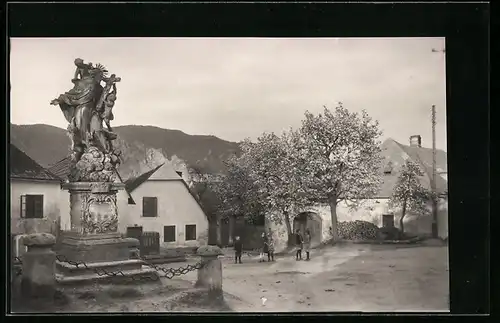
85	107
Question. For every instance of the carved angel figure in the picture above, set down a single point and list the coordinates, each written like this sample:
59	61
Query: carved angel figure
86	106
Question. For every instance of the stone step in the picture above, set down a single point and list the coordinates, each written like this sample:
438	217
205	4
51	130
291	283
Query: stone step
93	277
112	266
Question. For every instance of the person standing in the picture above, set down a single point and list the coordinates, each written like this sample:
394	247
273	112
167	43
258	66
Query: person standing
298	245
264	247
270	243
238	248
307	243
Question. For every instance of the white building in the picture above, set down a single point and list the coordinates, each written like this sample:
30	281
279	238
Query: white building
34	196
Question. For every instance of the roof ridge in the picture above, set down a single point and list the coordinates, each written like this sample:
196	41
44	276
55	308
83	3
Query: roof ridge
134	182
34	164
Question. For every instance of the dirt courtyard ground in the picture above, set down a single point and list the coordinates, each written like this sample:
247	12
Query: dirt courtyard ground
348	277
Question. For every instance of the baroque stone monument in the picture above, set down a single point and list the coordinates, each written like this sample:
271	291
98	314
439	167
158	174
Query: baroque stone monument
94	237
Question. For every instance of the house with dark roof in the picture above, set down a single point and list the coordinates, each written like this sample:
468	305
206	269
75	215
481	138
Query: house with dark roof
376	209
34	195
395	154
161	201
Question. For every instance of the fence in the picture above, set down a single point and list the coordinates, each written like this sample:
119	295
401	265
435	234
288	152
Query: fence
209	268
160	272
150	243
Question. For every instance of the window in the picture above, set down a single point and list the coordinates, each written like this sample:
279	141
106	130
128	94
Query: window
169	233
149	207
388	168
32	206
388	220
190	232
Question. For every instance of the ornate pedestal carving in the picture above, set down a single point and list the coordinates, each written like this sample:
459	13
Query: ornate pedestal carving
94	237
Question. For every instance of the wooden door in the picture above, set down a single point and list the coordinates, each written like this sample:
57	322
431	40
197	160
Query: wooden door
314	226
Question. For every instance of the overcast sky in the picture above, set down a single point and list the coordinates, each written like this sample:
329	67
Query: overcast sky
240	87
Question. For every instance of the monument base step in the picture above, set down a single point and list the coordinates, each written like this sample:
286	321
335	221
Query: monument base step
142	275
67	269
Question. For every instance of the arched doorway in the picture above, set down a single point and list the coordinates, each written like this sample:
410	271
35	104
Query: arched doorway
311	221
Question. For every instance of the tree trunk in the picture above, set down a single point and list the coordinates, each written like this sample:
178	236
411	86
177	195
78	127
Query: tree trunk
403	213
218	230
333	213
231	229
288	229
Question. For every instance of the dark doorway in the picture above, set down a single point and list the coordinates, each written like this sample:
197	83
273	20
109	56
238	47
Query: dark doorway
134	232
311	221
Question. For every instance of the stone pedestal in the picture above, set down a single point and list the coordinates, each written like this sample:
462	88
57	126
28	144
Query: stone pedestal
210	275
94	238
39	266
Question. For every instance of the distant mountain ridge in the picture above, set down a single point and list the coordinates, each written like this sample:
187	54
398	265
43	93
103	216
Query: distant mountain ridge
143	147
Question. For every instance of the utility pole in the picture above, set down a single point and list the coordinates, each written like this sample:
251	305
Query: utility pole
433	181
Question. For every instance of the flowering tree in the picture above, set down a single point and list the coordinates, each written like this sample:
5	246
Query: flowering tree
340	153
275	173
409	194
237	193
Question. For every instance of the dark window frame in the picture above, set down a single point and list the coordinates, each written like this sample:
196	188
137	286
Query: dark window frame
145	211
388	220
188	234
31	206
165	233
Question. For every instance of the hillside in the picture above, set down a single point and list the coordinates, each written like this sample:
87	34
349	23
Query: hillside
143	147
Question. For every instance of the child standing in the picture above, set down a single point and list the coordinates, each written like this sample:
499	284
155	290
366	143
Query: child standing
264	248
270	243
307	243
238	248
298	245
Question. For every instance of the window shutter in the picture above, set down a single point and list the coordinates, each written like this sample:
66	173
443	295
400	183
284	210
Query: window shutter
145	207
29	207
23	206
154	207
190	232
169	233
149	206
38	206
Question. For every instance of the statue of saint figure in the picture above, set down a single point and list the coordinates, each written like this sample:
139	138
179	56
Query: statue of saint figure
86	106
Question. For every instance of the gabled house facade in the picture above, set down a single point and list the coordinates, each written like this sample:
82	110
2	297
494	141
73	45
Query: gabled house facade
34	196
161	201
376	209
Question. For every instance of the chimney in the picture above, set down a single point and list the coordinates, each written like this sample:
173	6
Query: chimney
416	141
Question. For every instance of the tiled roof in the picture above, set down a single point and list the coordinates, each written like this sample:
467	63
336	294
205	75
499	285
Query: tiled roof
396	153
23	167
420	156
61	168
134	182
